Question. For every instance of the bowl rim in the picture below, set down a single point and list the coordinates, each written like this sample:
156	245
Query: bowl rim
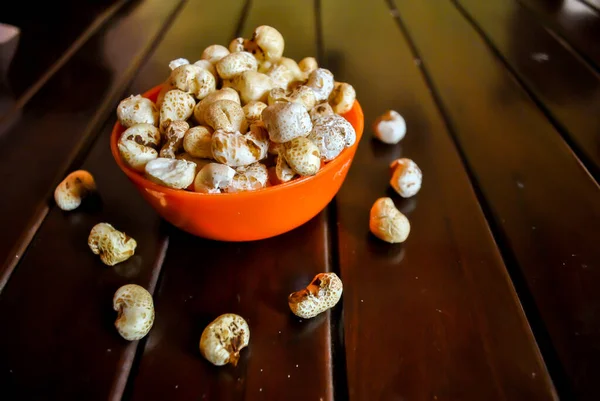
140	179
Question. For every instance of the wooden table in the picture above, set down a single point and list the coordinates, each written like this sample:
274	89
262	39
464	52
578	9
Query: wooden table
493	297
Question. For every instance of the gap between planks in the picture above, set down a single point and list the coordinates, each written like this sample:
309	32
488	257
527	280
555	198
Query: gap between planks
562	37
586	163
80	151
509	259
75	46
123	386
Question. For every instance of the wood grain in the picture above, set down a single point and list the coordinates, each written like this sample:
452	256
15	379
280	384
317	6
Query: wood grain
63	118
436	317
65	24
288	359
565	86
544	206
574	20
58	303
61	344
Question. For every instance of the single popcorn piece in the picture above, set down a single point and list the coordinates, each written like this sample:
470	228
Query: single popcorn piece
136	311
224	338
342	97
302	95
214	53
253	111
193	79
387	223
222	94
225	115
112	245
332	134
172	173
174	133
321	110
277	95
308	65
236	149
284	72
178	63
71	191
323	293
197	142
142	134
213	178
249	178
136	110
283	171
176	106
406	177
135	155
303	156
238	45
208	66
390	128
321	82
236	63
252	86
286	121
267	43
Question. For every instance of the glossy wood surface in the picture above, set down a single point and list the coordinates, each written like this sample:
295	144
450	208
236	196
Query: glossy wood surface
544	206
61	291
574	20
203	279
64	117
412	328
565	85
66	22
58	303
492	297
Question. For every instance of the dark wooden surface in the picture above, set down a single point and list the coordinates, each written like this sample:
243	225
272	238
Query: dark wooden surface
57	125
543	205
202	279
575	21
493	296
68	23
412	329
564	85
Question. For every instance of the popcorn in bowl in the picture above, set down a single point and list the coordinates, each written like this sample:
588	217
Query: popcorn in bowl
246	108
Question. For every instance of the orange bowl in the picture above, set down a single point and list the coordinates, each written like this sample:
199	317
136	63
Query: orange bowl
245	216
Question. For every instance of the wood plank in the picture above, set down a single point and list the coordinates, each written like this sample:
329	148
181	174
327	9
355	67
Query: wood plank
577	22
62	293
436	317
565	87
593	3
62	344
544	206
288	359
63	118
60	27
